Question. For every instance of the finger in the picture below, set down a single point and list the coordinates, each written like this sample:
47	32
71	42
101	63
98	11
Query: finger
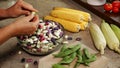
35	20
19	1
24	12
30	17
28	7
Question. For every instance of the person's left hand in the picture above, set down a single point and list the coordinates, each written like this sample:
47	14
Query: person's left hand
20	8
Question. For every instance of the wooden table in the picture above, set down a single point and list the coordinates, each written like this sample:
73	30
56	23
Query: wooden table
12	58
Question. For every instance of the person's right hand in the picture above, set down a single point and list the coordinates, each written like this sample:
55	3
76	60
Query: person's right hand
26	25
20	8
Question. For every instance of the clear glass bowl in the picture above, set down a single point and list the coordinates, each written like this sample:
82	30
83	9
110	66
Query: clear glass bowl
54	39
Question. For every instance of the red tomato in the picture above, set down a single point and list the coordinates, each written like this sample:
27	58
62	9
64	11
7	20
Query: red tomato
116	3
108	7
119	5
115	9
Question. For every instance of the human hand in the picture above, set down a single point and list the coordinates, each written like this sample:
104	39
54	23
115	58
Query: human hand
26	25
20	8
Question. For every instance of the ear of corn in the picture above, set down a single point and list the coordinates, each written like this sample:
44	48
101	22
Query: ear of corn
98	37
68	25
83	25
111	39
86	16
70	19
75	17
70	16
116	30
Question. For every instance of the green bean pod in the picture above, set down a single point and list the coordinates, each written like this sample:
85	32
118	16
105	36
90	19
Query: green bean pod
58	66
79	55
87	53
79	60
68	51
84	58
93	58
72	46
63	48
68	59
87	58
76	65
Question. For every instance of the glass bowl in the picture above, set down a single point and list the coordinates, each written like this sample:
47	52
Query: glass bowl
46	39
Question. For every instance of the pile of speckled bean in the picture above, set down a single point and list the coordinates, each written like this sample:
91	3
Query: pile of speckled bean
47	36
68	55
